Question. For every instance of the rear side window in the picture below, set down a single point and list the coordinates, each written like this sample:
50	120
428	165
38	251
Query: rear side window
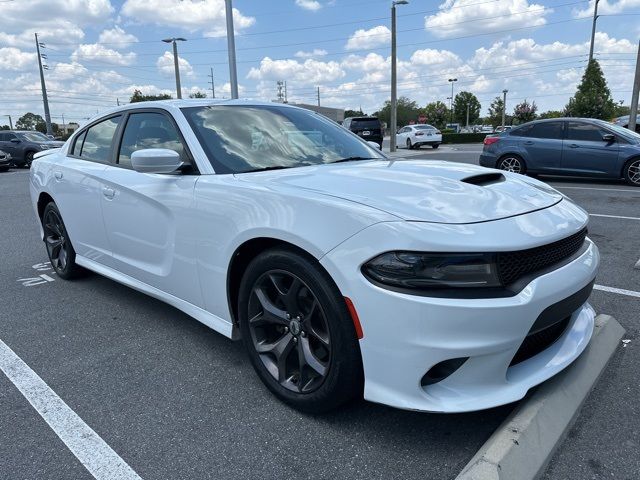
549	130
372	123
149	130
585	132
77	146
98	140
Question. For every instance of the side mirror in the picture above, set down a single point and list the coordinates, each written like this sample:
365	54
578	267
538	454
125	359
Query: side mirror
608	137
15	140
155	160
374	145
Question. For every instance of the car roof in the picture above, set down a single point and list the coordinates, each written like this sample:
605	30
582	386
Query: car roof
362	118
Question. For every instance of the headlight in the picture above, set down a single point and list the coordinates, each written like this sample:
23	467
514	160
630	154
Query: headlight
413	270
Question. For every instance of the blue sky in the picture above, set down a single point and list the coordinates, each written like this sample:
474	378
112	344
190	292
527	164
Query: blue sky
98	51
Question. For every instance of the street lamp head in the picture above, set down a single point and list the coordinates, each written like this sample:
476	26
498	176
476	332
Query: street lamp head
167	40
399	2
170	40
180	39
453	79
505	91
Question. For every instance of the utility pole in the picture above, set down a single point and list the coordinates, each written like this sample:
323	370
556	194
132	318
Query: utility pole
633	115
593	29
64	126
394	83
504	105
10	122
47	115
468	105
231	47
176	64
280	93
452	81
213	88
118	101
318	96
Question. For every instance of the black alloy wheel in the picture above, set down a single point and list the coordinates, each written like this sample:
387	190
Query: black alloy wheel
61	253
632	172
298	332
289	330
28	159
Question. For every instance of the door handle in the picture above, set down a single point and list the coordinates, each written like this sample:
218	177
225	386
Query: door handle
108	192
573	145
528	142
58	175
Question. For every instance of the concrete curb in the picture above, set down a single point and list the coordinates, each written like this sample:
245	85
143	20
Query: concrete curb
521	448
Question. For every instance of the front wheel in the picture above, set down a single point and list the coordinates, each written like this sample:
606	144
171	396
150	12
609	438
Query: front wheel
28	159
512	163
409	145
435	145
632	172
61	253
298	332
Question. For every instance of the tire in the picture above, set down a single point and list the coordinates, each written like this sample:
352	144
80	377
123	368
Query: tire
435	145
4	168
512	163
317	366
28	158
59	249
632	172
409	146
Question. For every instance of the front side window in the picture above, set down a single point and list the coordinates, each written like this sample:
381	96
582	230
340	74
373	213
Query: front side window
35	137
550	130
585	132
98	139
149	130
240	138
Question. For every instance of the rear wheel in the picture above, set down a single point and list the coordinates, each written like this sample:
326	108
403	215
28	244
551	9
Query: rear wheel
632	172
298	333
512	163
409	145
61	253
435	145
28	158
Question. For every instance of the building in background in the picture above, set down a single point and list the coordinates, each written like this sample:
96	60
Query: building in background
335	114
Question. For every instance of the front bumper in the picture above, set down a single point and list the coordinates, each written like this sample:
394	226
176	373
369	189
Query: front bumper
405	335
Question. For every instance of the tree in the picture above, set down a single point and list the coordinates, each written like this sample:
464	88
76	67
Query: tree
495	111
31	121
460	104
551	114
4	127
621	110
525	111
407	110
593	97
139	97
198	95
437	114
353	113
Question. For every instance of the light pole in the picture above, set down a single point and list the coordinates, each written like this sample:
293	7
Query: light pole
10	122
394	106
593	29
176	66
504	105
452	81
231	47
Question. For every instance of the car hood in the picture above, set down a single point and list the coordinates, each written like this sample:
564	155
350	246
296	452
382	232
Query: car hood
419	190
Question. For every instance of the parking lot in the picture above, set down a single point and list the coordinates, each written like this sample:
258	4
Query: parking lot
176	400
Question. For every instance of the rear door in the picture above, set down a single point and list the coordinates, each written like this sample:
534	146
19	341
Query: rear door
587	153
149	217
541	144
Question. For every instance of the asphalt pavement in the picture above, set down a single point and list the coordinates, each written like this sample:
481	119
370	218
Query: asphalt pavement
177	400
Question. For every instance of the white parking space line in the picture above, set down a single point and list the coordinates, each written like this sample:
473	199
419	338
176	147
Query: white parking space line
637	264
613	216
93	452
561	187
621	291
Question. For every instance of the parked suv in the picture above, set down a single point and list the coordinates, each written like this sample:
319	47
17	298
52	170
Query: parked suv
566	146
23	144
369	128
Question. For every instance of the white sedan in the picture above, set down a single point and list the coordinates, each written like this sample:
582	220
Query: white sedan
429	286
414	136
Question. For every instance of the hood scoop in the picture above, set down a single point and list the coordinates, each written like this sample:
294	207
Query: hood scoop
484	179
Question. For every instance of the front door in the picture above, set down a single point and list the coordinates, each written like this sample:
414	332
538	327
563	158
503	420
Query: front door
587	153
149	217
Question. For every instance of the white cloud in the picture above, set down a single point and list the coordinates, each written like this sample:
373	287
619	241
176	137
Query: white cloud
374	37
309	72
165	65
14	59
192	15
70	32
95	52
470	16
312	5
607	7
316	52
118	37
20	15
430	57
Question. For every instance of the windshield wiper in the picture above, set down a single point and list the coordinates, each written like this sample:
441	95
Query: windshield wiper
349	159
264	169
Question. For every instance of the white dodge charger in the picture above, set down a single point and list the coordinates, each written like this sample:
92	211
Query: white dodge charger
423	285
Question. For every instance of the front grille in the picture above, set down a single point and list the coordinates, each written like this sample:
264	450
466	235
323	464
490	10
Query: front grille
514	265
536	342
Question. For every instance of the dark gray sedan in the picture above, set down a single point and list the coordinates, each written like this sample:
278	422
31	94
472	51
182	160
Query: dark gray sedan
22	145
566	146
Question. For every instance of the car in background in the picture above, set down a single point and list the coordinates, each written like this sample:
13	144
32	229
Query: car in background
486	129
5	161
455	127
369	128
503	128
22	145
624	122
566	146
414	136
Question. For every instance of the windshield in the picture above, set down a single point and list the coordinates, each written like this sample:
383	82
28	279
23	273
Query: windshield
625	132
424	127
240	138
36	137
